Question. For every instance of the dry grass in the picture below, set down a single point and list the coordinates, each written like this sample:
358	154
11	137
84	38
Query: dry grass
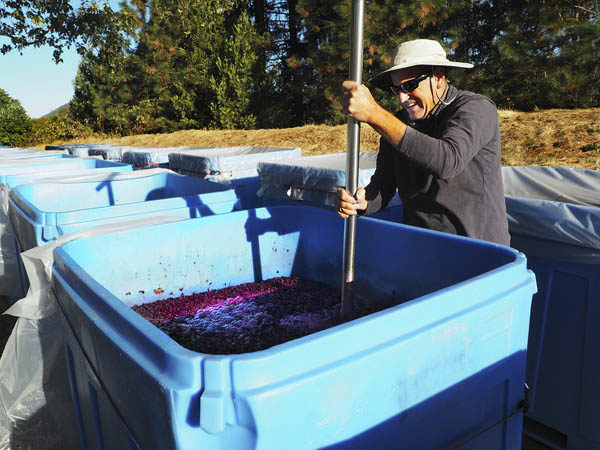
551	138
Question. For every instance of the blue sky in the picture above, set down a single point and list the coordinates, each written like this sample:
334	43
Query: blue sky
36	81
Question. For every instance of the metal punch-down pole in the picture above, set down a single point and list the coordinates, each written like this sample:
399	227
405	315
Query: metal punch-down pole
353	148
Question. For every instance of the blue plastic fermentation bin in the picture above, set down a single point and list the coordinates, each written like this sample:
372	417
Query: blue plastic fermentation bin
554	218
11	177
563	368
14	176
442	365
41	212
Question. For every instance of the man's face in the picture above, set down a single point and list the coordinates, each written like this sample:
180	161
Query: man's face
420	101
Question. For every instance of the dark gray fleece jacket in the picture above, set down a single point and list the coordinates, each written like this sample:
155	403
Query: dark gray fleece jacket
447	170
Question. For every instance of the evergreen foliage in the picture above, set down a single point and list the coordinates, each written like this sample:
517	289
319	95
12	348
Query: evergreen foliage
164	65
15	124
177	65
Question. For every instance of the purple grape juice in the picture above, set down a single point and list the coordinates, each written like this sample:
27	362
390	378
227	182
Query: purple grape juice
251	316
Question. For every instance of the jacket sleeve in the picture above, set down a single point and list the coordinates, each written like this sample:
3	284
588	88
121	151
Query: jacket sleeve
382	186
469	126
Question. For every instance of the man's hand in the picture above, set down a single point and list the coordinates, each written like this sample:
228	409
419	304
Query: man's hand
357	101
347	206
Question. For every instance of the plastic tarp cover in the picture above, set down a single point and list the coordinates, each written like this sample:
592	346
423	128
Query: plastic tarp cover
36	407
221	164
149	156
557	204
80	151
7	159
107	151
313	179
9	269
72	149
16	151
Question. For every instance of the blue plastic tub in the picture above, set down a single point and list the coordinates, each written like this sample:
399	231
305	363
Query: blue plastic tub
563	368
554	218
39	169
14	176
41	212
442	368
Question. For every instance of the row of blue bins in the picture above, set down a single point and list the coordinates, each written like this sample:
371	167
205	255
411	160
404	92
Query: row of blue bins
442	366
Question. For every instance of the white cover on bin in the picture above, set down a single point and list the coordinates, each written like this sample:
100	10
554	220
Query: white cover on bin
225	163
25	154
9	269
34	387
72	149
313	179
149	156
107	151
16	151
558	204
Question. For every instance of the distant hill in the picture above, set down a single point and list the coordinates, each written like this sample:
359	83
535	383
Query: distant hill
56	111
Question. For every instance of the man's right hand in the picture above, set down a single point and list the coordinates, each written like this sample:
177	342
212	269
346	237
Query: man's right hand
346	205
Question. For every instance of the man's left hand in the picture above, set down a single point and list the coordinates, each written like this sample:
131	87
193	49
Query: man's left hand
357	101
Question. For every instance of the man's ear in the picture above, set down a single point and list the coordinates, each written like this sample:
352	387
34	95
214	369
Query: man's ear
439	75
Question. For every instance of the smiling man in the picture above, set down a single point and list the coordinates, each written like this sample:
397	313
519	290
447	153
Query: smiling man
441	152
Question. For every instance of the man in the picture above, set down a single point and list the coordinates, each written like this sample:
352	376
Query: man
441	153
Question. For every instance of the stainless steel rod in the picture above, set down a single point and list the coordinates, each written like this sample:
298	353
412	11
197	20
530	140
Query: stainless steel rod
353	150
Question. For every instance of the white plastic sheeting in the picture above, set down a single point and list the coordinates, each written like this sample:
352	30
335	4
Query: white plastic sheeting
147	157
36	408
222	164
15	152
107	151
72	149
23	156
557	204
313	179
10	283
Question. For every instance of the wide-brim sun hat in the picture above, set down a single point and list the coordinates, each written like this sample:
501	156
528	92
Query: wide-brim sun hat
420	52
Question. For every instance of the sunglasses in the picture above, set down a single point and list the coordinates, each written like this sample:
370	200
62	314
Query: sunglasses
408	86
